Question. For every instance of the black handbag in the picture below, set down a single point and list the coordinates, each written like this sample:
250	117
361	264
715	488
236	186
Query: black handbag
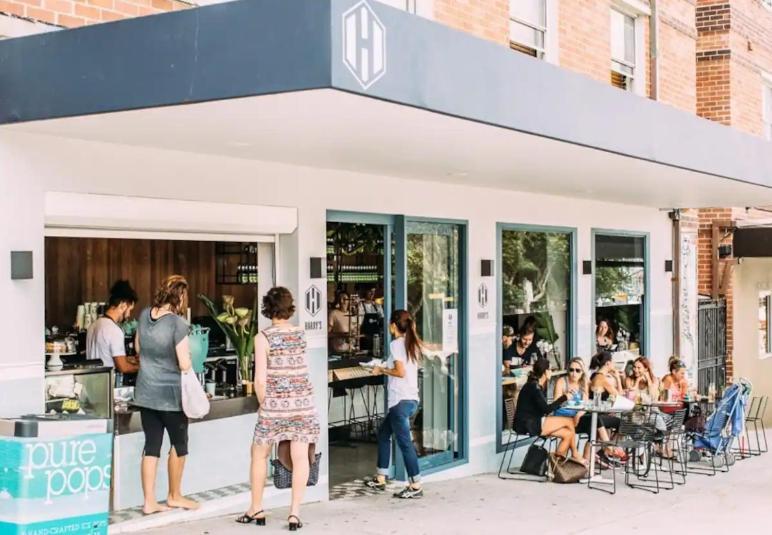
535	461
282	466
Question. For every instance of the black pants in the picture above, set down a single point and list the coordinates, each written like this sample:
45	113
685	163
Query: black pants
611	423
153	424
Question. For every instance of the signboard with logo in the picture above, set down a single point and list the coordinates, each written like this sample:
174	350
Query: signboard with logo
55	486
364	44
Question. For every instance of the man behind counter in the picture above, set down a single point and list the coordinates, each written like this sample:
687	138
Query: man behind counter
104	340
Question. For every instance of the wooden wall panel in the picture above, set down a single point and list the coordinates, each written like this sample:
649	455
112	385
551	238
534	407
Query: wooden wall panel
80	270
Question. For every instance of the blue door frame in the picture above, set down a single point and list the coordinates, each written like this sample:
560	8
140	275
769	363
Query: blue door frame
646	279
396	226
573	295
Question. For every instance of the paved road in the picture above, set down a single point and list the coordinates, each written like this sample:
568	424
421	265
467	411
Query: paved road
737	502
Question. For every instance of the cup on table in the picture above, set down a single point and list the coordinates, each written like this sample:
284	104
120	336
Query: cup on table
210	387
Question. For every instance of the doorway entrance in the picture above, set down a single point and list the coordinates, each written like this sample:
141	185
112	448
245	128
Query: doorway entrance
376	264
358	286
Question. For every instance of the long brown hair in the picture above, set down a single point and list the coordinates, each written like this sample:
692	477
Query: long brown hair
645	363
405	325
173	292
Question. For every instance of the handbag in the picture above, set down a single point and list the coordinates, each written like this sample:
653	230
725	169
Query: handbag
282	466
566	470
195	404
535	461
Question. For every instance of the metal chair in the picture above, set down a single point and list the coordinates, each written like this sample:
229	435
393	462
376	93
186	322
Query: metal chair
672	440
515	440
636	436
757	418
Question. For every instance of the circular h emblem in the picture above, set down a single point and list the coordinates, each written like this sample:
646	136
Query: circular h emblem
364	44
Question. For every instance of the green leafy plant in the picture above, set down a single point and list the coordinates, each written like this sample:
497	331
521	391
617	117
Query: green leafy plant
240	326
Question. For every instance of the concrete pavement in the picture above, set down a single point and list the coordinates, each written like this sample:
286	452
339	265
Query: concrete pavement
737	502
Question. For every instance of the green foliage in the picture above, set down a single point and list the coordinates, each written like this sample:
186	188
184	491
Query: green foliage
239	325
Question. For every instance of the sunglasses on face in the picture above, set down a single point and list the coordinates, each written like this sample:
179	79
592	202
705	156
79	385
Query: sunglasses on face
575	370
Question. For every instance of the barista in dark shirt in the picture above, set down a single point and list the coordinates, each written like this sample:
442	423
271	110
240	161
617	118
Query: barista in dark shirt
508	345
526	352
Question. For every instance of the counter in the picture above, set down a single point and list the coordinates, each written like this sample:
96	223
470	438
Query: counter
128	420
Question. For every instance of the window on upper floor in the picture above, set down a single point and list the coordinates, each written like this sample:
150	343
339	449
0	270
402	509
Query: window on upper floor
623	50
767	103
407	5
528	26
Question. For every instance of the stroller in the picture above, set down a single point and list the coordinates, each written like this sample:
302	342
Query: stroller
714	443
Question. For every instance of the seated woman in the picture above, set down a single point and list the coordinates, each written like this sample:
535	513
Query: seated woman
604	336
642	382
674	385
605	378
531	413
575	386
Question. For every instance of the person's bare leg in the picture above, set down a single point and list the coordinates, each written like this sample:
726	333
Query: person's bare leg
176	467
300	468
258	471
149	470
564	436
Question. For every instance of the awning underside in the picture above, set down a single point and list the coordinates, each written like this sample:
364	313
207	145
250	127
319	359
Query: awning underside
339	130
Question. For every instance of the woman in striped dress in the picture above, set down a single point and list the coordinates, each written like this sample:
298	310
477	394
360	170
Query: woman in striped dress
286	399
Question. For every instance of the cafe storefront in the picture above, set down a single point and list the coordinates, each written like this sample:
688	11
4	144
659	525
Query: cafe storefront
442	190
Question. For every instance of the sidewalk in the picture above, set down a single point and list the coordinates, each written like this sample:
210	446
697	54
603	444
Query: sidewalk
736	502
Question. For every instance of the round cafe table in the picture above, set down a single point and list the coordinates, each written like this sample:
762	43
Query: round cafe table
606	408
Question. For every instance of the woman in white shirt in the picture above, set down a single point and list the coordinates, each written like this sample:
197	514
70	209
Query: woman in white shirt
405	353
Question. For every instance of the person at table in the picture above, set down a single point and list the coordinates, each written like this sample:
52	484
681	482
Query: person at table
642	382
605	378
675	384
105	339
508	347
532	412
525	352
339	323
575	386
604	336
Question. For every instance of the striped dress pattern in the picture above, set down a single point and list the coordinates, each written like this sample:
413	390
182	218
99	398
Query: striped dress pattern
288	411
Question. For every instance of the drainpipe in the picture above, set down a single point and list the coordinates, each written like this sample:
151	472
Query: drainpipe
654	51
675	217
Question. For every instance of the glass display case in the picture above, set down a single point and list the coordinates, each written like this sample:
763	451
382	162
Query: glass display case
80	389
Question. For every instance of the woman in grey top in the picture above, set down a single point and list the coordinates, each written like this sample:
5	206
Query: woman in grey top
162	344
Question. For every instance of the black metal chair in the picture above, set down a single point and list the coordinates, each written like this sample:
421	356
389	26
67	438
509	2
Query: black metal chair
672	443
514	441
757	419
636	436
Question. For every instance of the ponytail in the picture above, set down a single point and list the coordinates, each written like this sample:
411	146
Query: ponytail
405	325
600	359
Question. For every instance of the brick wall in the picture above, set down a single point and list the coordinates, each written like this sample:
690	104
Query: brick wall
487	19
584	37
74	13
677	47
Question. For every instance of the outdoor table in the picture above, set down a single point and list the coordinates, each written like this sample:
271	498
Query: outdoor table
594	411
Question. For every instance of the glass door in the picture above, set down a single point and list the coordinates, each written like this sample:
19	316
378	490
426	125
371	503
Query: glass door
433	256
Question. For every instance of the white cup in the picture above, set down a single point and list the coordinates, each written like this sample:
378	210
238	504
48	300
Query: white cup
210	386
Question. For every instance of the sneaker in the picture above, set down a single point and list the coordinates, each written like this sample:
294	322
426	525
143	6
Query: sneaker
372	483
409	493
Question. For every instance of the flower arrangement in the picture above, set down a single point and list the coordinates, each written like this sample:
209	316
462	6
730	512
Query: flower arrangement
240	326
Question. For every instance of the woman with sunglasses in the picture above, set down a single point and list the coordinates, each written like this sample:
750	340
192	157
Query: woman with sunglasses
575	386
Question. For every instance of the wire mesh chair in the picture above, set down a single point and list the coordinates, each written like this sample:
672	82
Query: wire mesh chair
514	441
672	450
756	417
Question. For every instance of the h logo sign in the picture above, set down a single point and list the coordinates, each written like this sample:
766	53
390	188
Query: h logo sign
364	44
313	300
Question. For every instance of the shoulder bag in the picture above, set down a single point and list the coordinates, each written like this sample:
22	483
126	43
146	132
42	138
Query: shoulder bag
535	461
195	404
566	470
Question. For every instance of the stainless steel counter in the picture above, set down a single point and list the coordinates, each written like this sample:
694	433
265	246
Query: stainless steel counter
128	421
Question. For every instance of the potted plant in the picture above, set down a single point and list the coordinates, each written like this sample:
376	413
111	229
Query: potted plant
240	326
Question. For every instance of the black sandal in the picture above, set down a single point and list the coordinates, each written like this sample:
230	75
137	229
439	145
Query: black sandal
247	519
294	526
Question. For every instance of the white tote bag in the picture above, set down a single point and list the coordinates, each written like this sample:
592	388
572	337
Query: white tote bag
195	404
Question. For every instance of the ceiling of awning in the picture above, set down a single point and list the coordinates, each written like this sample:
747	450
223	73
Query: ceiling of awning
339	130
